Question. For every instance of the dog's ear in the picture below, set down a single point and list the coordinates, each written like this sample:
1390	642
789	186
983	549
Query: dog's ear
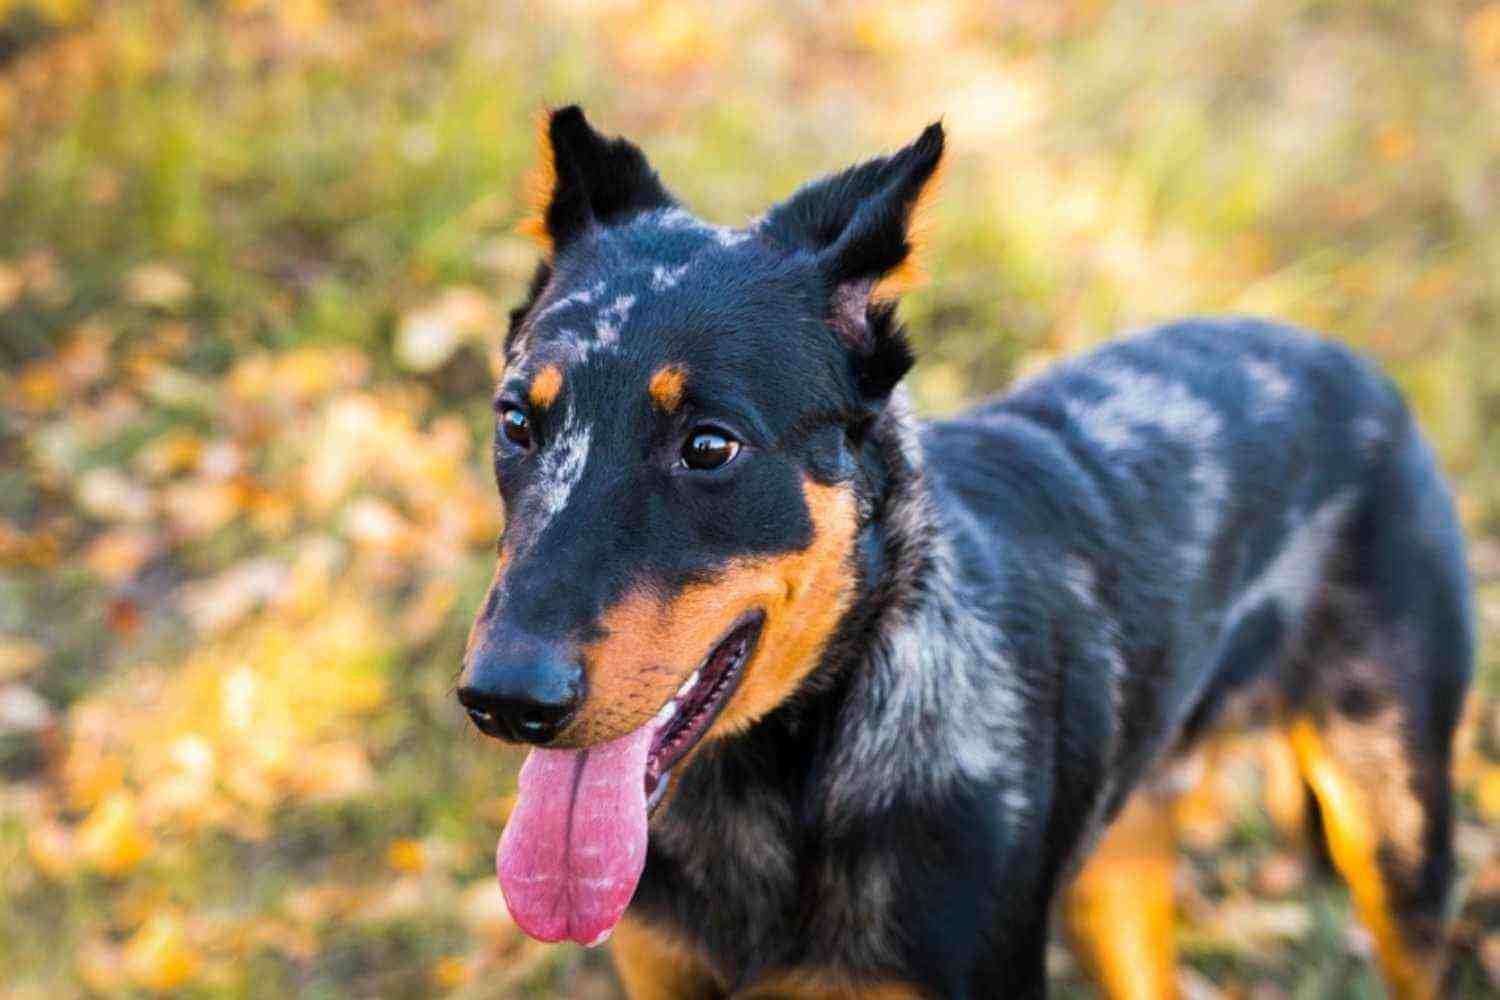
860	228
583	178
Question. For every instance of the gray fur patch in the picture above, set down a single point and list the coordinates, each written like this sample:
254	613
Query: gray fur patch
1290	579
1272	387
937	701
664	279
560	467
1141	402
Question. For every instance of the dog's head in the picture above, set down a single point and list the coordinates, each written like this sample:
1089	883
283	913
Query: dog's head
676	436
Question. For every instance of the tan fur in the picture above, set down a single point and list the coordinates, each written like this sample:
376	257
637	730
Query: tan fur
666	387
1285	795
651	645
1119	907
1362	784
545	387
912	273
653	965
812	986
539	183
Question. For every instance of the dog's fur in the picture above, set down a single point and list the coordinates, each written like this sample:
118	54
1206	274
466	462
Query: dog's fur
1005	620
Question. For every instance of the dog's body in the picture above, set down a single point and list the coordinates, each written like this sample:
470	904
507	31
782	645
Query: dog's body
987	630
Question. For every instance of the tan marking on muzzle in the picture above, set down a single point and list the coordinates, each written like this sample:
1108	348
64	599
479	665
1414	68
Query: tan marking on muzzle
651	645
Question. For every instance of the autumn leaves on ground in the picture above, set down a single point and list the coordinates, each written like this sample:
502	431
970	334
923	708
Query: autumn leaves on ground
254	262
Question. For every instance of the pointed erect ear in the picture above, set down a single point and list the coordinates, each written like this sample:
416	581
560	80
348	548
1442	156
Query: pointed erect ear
859	226
584	179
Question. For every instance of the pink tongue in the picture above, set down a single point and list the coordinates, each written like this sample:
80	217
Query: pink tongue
573	850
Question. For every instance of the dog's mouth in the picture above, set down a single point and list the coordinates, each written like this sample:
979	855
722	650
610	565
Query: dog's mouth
575	845
688	715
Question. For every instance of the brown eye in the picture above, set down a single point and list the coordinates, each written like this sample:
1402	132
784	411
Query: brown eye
516	427
709	449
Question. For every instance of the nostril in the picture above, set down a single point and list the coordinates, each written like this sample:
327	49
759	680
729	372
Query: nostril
518	716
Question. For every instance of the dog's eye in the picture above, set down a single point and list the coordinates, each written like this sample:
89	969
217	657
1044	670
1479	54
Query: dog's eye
516	427
709	449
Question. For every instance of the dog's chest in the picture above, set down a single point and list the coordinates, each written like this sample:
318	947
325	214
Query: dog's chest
754	896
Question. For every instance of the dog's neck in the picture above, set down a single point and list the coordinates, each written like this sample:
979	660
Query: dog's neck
912	649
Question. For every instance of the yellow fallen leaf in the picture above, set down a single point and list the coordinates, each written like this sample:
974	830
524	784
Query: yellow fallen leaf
111	839
91	775
1487	792
160	957
451	972
406	855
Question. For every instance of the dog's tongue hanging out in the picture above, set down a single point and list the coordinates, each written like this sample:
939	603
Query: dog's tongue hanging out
575	845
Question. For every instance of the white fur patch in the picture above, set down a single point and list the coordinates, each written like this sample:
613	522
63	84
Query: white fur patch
607	324
664	279
1272	386
582	297
1140	402
560	468
727	237
1289	580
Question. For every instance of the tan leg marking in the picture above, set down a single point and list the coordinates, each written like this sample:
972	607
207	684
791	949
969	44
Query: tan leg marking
1119	908
1284	793
1360	815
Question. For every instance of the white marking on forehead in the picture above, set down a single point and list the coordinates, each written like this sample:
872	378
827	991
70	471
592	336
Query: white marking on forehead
607	324
1271	384
560	468
677	218
727	237
666	278
582	297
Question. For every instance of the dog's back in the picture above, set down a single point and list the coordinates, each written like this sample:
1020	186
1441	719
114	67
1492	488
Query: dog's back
1241	513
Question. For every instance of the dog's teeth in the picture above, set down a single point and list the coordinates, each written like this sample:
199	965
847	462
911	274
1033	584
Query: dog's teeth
667	711
688	684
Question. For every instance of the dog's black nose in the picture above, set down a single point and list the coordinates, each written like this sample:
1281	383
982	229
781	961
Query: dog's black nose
525	693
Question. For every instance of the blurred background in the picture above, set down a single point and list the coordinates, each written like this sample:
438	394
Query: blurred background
255	259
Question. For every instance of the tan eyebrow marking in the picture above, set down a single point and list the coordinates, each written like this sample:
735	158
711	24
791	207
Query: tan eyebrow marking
666	386
545	387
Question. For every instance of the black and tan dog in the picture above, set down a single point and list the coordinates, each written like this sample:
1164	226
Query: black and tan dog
839	703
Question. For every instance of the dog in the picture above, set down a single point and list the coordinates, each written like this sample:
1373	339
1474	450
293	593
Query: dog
829	702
